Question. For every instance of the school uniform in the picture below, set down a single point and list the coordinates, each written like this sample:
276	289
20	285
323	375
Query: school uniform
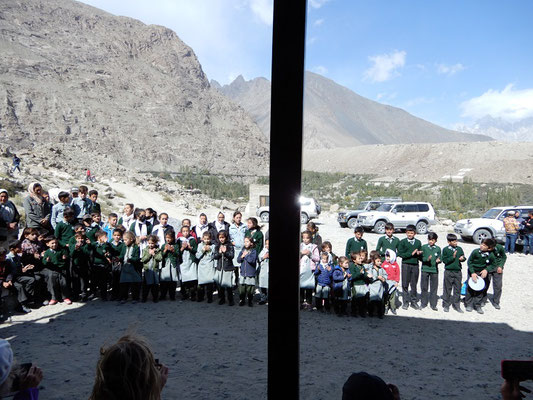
199	230
236	236
56	215
188	268
79	269
258	239
81	206
430	275
323	285
94	207
206	271
354	245
25	283
387	243
224	272
56	265
169	274
264	265
477	262
215	227
126	221
307	267
63	232
161	231
497	279
410	270
453	278
141	229
248	272
341	289
130	272
90	232
151	264
116	265
101	268
109	230
376	290
359	289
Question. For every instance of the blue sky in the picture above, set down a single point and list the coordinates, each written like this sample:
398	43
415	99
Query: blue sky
450	62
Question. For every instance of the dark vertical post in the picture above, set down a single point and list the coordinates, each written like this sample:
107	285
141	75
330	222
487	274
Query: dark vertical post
286	130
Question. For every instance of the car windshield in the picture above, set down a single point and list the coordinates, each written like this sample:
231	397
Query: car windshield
362	205
385	207
492	213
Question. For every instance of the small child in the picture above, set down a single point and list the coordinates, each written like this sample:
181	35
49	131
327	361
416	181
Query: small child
359	288
316	239
80	254
151	259
55	260
81	203
410	250
431	258
376	287
248	260
309	257
389	241
112	224
452	257
32	250
130	272
254	231
90	227
59	208
223	255
357	243
393	280
206	266
22	277
188	267
327	247
116	250
323	273
496	276
101	268
264	265
480	263
64	230
94	206
341	278
169	272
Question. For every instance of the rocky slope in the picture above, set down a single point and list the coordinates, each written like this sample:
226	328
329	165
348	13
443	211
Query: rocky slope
103	90
500	129
335	116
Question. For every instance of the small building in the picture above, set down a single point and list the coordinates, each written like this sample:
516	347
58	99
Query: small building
259	196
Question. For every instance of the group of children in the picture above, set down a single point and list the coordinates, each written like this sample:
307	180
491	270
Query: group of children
369	282
135	256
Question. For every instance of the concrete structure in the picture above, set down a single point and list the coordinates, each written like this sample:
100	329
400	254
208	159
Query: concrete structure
259	196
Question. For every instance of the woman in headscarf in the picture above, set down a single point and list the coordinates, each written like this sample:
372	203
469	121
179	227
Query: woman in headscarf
37	208
9	219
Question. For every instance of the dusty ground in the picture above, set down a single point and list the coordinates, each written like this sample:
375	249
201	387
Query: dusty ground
479	161
220	351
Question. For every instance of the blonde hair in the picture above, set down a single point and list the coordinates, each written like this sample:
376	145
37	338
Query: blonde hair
127	370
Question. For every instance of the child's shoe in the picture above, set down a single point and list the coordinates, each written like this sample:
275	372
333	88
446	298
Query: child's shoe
68	302
46	302
52	302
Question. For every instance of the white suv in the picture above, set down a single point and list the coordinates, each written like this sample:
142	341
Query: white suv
490	225
419	214
309	209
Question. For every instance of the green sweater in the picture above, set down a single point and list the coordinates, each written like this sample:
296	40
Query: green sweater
355	246
135	256
99	253
428	265
358	274
146	257
257	236
405	251
173	256
478	261
53	259
385	244
64	232
500	256
116	249
80	257
452	263
91	233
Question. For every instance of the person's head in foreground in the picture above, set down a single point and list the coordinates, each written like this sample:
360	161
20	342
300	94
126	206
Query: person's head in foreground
127	370
363	386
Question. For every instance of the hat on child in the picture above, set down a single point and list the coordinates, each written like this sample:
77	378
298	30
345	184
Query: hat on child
6	360
391	254
74	190
3	191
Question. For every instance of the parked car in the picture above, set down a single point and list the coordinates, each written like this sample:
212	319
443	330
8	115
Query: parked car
309	209
490	225
349	218
419	214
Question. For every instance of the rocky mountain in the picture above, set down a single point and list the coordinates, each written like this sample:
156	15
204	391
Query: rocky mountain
335	116
500	129
108	92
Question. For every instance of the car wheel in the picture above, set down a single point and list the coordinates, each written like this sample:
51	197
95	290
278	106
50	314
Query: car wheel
352	223
304	219
421	228
379	227
480	235
264	216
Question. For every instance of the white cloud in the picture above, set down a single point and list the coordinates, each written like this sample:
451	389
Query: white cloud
320	69
509	104
450	69
263	9
385	66
317	3
318	22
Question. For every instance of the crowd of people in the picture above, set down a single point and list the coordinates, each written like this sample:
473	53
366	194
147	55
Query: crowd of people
66	253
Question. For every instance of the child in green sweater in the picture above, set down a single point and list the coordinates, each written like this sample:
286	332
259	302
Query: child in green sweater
452	257
410	250
496	276
64	230
431	258
101	267
151	259
480	263
80	254
389	241
357	243
55	261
